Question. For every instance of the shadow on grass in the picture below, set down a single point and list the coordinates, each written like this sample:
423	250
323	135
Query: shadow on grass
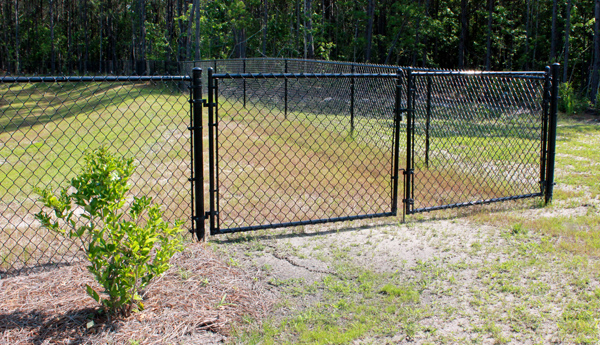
70	101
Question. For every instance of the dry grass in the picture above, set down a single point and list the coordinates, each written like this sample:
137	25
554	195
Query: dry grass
196	301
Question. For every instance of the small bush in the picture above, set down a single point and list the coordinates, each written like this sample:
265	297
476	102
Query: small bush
597	105
569	102
125	252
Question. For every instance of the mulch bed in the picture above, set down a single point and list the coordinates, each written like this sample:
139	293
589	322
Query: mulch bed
196	301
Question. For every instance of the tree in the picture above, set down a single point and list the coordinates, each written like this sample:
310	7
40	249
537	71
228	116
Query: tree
463	34
596	67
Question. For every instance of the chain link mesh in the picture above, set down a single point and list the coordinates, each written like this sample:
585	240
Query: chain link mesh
315	156
47	124
290	149
477	137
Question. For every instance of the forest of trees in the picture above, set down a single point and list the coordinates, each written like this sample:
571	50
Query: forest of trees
90	36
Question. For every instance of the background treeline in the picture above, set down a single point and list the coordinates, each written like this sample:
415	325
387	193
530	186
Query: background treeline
94	36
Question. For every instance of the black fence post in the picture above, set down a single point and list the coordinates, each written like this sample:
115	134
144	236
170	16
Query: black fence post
285	90
211	150
409	141
553	119
197	178
544	134
244	80
396	158
352	103
428	121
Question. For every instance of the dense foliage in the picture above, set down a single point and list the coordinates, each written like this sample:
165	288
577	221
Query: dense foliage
64	35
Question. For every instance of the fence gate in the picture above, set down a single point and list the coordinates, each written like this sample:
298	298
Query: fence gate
289	149
296	149
477	138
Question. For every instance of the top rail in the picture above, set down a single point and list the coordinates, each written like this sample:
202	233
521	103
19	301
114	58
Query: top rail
302	75
92	79
515	74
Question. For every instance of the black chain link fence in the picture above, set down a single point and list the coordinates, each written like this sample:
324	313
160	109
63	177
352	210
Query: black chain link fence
477	138
47	124
293	142
303	148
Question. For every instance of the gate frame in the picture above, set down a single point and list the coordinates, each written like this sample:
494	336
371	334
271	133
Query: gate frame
212	105
199	216
548	138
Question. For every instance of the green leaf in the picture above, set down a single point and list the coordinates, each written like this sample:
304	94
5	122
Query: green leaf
92	293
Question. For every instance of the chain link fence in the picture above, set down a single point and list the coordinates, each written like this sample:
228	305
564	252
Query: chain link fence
476	138
303	148
291	142
46	126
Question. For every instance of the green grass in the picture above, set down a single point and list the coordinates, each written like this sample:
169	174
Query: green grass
45	128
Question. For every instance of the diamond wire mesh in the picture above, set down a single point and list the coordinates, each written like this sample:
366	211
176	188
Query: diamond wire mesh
483	141
45	128
307	163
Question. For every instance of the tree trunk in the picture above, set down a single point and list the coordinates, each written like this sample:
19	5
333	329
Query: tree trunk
308	36
369	35
553	35
17	42
239	38
180	39
197	51
142	40
527	34
52	52
567	33
265	23
188	41
463	34
596	67
488	55
87	41
395	41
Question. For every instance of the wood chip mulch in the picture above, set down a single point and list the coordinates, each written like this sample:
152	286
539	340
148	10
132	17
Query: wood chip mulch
195	302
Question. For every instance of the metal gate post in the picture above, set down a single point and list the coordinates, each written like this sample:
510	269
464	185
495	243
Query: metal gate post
428	121
352	103
544	134
211	151
197	178
554	69
244	80
285	95
409	143
396	152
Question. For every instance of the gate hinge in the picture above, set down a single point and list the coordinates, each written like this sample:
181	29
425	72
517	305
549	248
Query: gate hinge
408	172
408	201
208	213
194	101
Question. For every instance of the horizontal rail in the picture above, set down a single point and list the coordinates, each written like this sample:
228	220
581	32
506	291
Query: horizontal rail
305	222
302	75
473	203
91	79
520	74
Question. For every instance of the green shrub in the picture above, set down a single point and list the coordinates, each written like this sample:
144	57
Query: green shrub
598	102
125	252
569	102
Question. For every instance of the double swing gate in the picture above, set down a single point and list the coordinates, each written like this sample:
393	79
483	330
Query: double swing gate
293	149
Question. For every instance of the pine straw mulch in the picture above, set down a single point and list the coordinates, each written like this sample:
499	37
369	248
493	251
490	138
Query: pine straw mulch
196	301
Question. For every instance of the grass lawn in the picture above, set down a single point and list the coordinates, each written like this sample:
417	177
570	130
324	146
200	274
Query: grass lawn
509	273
